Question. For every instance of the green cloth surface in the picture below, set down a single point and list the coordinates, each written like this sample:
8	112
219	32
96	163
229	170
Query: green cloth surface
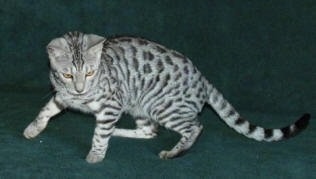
260	54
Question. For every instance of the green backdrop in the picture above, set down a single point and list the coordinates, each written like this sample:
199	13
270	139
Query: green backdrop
260	54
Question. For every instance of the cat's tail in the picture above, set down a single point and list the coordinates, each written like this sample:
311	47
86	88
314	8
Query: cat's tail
232	118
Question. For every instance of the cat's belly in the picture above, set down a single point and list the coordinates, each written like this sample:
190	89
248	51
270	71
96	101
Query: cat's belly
136	111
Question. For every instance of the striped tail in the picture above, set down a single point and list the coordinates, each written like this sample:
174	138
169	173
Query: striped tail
242	126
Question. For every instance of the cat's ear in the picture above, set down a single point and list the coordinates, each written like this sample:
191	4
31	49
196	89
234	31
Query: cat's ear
94	44
58	51
57	47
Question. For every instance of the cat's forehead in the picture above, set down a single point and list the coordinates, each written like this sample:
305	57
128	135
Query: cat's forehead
75	41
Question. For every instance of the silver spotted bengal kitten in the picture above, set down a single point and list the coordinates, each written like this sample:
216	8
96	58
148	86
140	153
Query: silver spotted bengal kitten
156	85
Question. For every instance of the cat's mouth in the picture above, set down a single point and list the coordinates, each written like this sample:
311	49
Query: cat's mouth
77	94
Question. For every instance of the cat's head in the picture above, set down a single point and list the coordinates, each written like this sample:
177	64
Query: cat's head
74	60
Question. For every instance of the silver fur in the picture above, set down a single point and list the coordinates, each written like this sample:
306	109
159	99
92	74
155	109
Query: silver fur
156	85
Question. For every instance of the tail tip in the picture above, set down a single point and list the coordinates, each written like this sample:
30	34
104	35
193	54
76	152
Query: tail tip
299	125
303	122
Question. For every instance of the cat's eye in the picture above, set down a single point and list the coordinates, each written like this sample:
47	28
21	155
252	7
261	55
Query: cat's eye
90	73
67	75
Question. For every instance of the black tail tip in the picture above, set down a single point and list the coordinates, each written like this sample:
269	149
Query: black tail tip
299	126
303	122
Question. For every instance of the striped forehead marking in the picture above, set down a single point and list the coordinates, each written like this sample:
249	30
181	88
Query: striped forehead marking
75	43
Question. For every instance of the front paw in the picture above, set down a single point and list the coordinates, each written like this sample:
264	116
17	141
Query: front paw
94	157
32	130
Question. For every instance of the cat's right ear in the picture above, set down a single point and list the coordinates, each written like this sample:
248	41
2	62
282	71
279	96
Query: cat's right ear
57	51
57	47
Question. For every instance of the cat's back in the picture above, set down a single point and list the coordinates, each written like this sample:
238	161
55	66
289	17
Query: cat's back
148	58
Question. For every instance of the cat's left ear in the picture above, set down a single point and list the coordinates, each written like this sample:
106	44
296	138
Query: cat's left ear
94	44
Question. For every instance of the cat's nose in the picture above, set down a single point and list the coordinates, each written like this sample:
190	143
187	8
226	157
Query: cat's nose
79	87
79	82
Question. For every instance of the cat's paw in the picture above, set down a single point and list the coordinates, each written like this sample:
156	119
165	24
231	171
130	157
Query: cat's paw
166	154
32	130
94	157
150	136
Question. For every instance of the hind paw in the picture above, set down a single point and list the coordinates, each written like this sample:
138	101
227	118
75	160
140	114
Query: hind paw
167	154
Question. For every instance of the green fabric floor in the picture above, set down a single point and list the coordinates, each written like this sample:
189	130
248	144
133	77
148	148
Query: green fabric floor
260	54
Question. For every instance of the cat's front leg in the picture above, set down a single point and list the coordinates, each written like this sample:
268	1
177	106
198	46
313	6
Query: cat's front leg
39	124
105	124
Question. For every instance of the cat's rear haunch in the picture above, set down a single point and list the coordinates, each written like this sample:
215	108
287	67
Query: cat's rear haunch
156	85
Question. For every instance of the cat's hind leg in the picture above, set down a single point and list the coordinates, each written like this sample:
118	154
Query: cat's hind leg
145	129
188	128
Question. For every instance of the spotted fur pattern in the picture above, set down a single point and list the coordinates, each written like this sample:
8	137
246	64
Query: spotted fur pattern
154	84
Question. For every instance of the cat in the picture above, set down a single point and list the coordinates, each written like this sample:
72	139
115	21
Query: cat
156	85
